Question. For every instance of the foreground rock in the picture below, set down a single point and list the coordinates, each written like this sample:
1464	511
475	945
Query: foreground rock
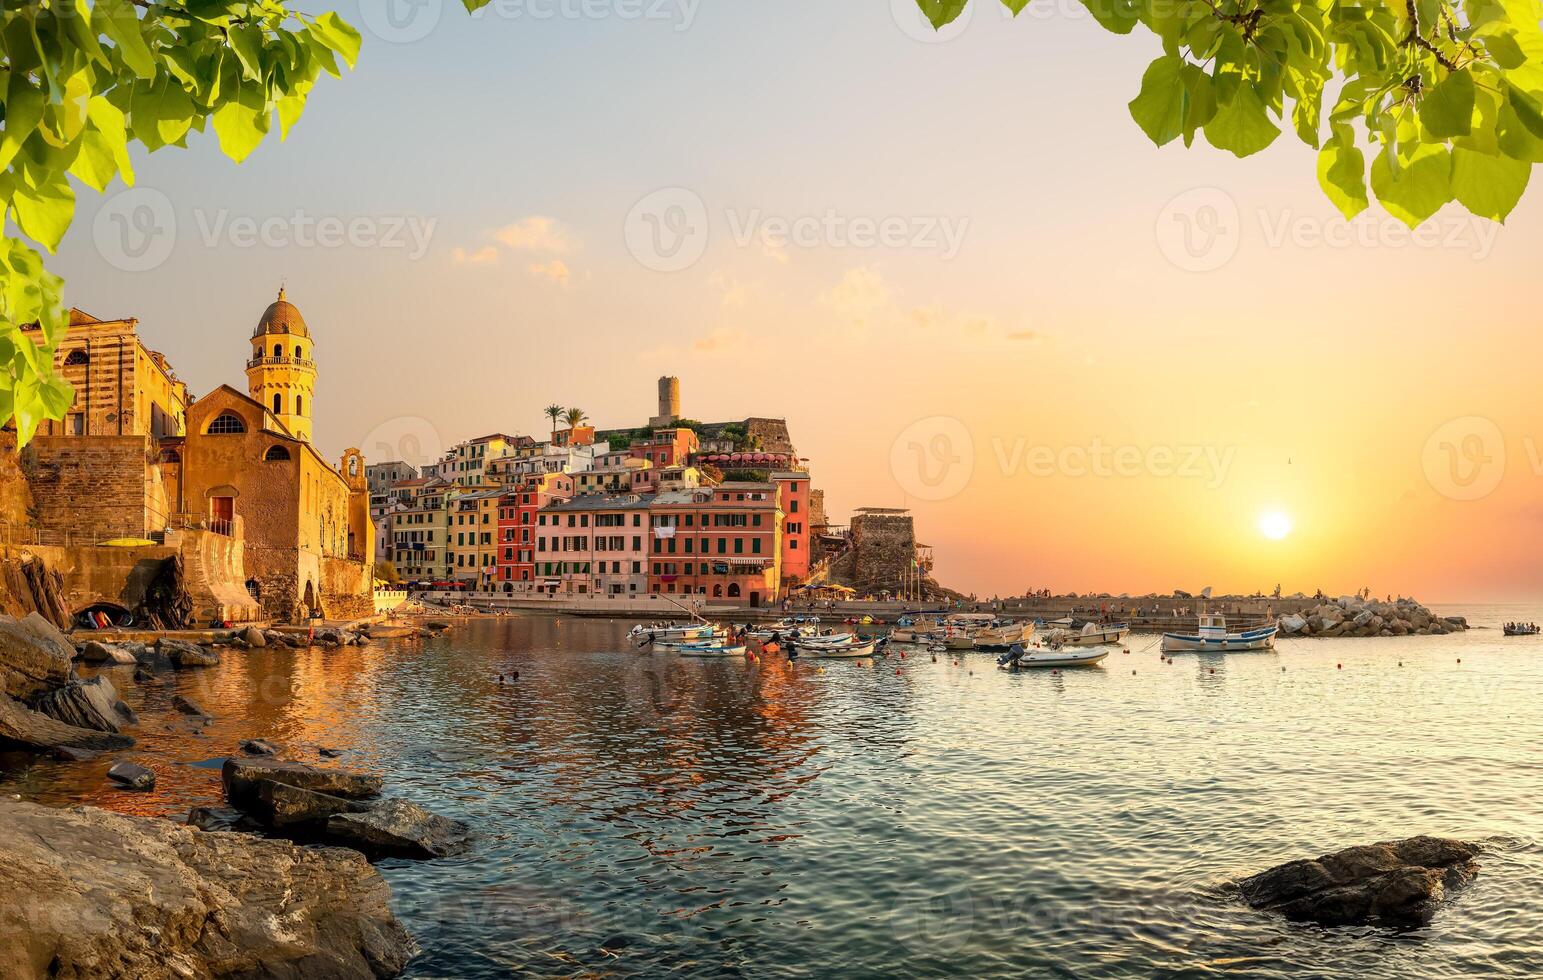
29	664
92	704
1395	883
279	805
243	778
1353	616
186	656
94	894
95	652
20	725
130	776
397	828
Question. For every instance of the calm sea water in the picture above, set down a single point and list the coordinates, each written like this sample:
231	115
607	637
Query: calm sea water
644	814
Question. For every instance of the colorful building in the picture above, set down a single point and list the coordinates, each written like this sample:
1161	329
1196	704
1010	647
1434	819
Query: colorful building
519	512
594	545
722	542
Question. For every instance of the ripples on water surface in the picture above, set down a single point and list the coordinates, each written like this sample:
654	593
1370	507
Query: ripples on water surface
648	814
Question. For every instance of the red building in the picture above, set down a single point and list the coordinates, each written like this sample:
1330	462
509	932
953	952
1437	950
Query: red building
721	542
665	448
517	512
793	500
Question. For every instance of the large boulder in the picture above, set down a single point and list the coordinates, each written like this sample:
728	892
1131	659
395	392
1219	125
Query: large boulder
131	776
185	656
95	652
280	805
48	634
92	704
1395	883
242	779
29	664
20	725
94	894
254	637
397	828
1291	623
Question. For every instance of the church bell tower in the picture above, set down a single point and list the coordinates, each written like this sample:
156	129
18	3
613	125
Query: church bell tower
281	372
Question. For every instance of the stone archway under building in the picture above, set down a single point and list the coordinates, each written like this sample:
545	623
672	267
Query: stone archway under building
310	602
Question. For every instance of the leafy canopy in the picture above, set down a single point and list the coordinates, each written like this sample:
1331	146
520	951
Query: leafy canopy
85	79
1445	97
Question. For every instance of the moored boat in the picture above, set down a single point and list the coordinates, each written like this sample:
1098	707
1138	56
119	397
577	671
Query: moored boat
1071	633
1212	637
644	634
846	651
1002	635
1018	658
711	650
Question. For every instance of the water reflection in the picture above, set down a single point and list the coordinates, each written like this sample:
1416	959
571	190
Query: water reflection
642	813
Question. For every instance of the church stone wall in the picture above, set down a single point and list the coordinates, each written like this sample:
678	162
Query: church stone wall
92	488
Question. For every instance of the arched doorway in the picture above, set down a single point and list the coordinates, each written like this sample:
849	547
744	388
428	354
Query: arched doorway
310	605
733	590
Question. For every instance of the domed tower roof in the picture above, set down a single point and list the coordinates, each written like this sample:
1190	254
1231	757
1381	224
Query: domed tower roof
281	317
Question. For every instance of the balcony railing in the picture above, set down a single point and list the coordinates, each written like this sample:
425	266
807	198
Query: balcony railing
267	360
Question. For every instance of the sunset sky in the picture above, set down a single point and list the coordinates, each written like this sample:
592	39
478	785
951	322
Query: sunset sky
1048	281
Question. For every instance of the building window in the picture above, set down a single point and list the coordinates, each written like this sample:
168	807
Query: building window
228	423
276	454
299	404
278	404
76	356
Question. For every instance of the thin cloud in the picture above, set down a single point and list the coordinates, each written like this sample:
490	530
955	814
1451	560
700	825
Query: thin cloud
481	256
536	233
553	271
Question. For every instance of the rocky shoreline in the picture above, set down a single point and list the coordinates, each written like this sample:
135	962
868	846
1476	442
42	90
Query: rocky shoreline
273	881
1354	616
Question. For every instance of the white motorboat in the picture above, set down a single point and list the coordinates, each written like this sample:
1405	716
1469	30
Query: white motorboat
1068	633
710	650
787	628
1212	637
714	638
1020	659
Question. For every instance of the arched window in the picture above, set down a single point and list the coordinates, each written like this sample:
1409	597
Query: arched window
299	404
170	456
276	454
228	423
299	351
278	350
733	590
278	404
77	356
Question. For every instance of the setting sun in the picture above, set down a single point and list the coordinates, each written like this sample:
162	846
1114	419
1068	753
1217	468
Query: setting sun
1274	525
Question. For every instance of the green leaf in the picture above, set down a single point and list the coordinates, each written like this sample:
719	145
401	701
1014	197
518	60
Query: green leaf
1342	173
247	42
1447	109
241	123
1526	109
161	112
23	111
1242	126
1159	107
1016	6
121	23
1515	139
1199	101
1421	185
290	107
1489	186
331	31
1119	16
472	6
43	204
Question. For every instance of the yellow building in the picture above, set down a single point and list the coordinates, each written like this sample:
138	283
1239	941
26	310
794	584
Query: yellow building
473	535
121	387
420	539
248	469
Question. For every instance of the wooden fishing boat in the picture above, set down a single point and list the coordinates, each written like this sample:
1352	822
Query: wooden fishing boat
1212	637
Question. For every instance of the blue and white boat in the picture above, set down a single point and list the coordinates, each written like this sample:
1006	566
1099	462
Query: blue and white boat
1212	637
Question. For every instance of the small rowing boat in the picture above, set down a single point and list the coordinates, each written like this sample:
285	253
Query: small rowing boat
1071	633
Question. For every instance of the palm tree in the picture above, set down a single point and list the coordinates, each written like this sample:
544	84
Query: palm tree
575	417
554	412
